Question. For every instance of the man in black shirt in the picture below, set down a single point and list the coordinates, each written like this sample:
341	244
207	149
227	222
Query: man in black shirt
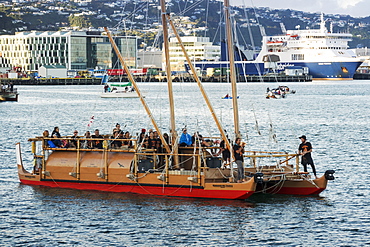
305	149
97	143
225	153
73	141
239	159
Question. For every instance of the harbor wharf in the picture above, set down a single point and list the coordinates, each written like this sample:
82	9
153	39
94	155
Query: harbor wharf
51	81
97	81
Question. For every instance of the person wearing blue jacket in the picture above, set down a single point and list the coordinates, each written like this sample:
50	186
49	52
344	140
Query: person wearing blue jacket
185	139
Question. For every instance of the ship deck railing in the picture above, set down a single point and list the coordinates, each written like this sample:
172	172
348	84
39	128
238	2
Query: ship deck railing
204	156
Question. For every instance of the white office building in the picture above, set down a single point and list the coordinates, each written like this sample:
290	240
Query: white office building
197	48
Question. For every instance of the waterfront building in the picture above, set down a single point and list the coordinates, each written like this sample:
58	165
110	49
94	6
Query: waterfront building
197	48
149	58
76	50
49	71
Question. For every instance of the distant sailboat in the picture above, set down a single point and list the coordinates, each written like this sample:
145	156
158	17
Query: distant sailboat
118	89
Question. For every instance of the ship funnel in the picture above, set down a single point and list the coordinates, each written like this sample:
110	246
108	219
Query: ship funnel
322	24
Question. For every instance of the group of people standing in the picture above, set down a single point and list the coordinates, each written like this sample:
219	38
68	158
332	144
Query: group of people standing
118	139
151	140
304	149
238	150
57	140
186	140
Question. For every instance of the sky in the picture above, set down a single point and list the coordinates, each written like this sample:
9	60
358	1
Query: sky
355	8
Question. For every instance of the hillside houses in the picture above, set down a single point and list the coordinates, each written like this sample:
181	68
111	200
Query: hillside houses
142	15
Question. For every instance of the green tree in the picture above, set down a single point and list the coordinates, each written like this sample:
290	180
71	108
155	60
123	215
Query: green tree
80	21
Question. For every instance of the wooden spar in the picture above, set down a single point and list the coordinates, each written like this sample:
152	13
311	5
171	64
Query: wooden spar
131	78
173	131
168	71
230	48
200	85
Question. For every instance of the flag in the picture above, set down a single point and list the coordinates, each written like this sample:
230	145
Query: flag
91	121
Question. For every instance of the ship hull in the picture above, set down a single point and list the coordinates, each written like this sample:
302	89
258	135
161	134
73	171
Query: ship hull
325	70
8	96
318	70
293	187
145	189
284	180
120	95
116	176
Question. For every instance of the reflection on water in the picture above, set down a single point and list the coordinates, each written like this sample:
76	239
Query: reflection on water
334	116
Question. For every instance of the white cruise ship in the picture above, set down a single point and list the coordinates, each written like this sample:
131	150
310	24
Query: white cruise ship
325	55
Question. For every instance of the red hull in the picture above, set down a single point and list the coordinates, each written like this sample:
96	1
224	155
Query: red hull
294	187
296	191
195	192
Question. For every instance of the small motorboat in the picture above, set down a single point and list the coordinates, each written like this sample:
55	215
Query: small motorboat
278	93
9	95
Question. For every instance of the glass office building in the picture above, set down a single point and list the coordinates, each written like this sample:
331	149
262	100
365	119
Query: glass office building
76	50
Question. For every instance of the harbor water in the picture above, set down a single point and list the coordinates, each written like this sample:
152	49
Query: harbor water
333	115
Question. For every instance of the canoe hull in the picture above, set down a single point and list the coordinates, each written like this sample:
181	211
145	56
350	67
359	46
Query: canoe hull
299	186
148	189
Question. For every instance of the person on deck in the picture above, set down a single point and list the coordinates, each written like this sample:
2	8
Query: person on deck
158	141
127	142
97	143
118	127
238	149
145	142
225	153
141	138
167	138
73	142
115	143
87	143
152	141
185	139
56	134
150	131
195	139
305	149
45	134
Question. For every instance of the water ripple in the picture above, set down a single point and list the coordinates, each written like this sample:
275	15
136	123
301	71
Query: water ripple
333	115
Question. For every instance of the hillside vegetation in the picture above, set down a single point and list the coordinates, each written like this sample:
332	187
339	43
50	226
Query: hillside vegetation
142	18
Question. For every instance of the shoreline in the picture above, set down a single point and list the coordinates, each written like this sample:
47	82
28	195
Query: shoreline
97	81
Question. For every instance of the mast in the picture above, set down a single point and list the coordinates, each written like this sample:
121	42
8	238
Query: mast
200	85
230	48
130	77
168	72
